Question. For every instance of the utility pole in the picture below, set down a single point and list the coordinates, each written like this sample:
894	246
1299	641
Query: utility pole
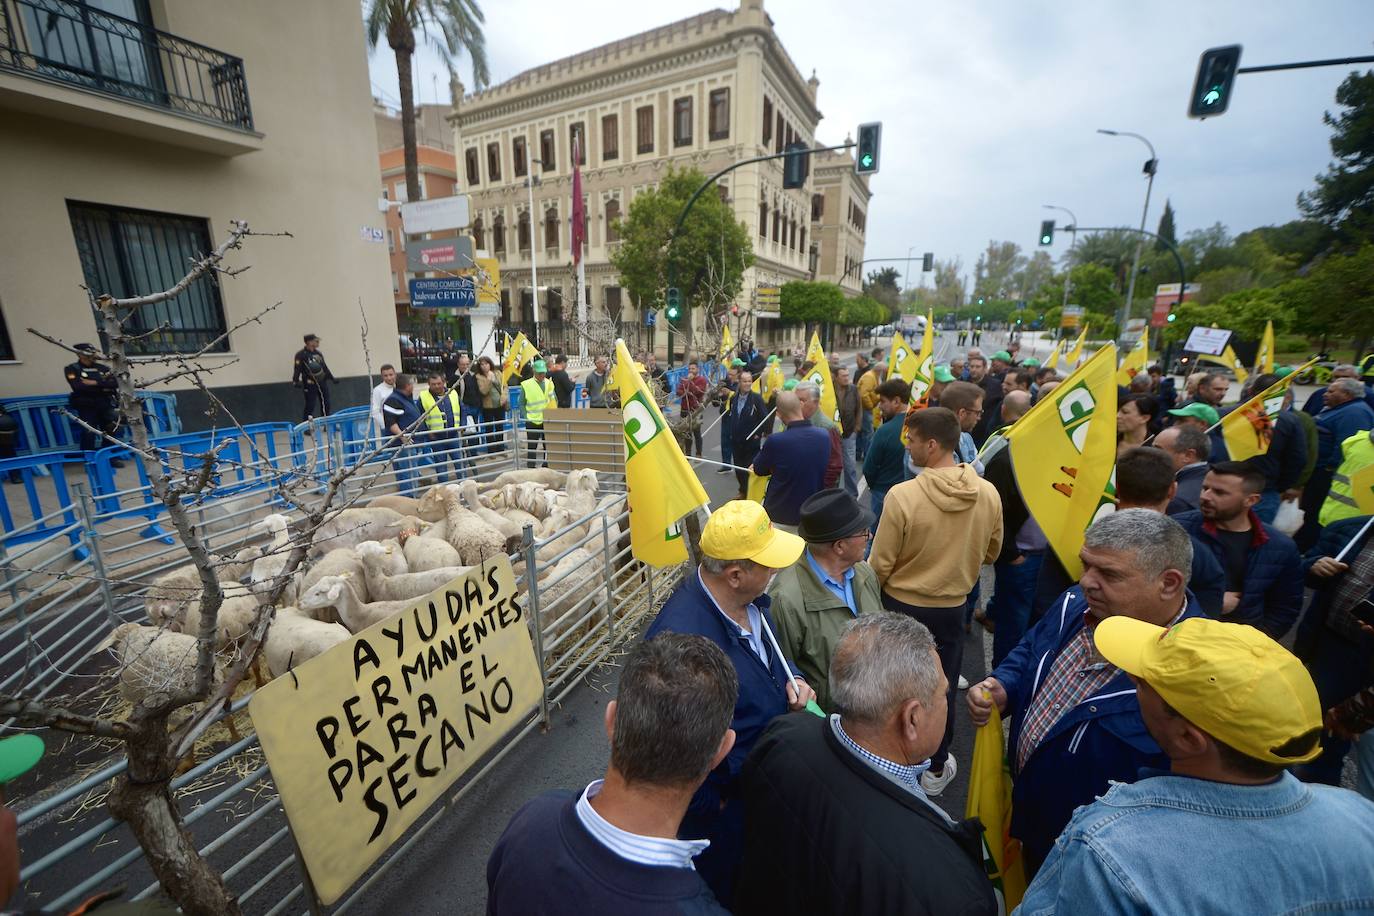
1151	166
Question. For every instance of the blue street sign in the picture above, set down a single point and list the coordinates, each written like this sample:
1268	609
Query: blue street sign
649	318
443	292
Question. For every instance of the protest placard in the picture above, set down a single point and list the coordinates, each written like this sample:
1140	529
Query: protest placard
363	738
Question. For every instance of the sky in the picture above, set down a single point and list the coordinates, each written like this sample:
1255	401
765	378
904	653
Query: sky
990	107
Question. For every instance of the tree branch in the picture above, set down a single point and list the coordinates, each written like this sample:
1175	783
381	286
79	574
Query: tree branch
32	714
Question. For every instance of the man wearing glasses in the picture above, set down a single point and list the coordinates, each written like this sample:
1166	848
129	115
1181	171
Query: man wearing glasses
829	585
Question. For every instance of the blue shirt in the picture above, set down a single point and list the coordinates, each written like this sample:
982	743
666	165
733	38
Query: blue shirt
753	634
842	590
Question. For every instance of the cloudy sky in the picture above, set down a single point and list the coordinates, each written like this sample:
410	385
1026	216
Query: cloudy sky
990	107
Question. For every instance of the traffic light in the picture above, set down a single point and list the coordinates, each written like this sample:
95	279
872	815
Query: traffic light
1216	71
1047	232
796	166
674	298
980	300
870	139
927	262
1172	317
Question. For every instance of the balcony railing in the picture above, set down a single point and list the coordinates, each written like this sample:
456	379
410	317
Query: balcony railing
70	42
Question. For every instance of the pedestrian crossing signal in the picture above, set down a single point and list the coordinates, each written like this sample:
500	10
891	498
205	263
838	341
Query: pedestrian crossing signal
1216	71
870	139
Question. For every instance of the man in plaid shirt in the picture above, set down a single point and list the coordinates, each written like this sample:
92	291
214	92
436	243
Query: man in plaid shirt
1075	721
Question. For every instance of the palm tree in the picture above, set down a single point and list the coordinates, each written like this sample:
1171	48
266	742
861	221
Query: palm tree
459	27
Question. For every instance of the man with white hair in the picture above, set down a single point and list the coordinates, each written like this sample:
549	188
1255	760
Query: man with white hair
1345	414
809	394
835	817
1075	721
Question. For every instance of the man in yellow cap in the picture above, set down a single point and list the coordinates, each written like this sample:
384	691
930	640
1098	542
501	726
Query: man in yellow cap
1227	829
725	602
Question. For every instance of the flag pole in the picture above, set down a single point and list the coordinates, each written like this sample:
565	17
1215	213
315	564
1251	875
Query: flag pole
1340	557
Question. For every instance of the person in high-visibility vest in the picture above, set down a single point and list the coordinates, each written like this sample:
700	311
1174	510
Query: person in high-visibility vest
536	394
443	419
1357	452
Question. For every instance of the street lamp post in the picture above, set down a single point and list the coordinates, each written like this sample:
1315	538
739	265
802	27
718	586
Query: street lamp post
906	275
530	181
1073	230
1151	166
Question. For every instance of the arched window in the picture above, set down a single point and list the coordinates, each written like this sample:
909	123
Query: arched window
478	237
612	215
551	228
763	219
522	230
498	233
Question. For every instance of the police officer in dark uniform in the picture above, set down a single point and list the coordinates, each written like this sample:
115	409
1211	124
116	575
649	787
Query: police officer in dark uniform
93	397
310	373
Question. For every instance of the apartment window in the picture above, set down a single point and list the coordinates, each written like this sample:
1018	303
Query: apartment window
517	151
126	253
682	121
478	236
551	228
763	220
612	214
470	159
546	150
777	135
577	142
401	194
723	190
391	240
493	162
610	138
720	114
767	121
522	231
644	129
498	234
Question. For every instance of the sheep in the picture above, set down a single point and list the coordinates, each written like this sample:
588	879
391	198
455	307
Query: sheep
405	587
546	476
406	505
295	637
558	520
336	592
233	621
584	569
580	494
423	554
469	495
269	569
475	540
354	526
170	593
338	561
154	664
531	497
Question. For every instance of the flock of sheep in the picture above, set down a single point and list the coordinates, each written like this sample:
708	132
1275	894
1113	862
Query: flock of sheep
367	564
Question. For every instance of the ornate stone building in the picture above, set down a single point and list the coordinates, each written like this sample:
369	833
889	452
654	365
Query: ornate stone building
839	219
703	92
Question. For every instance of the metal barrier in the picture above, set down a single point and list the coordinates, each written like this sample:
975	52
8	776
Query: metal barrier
61	606
41	526
43	427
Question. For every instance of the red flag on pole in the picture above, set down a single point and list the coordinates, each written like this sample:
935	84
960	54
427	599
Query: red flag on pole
579	210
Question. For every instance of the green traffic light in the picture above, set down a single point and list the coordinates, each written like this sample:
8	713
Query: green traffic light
1172	316
1213	96
866	160
1045	240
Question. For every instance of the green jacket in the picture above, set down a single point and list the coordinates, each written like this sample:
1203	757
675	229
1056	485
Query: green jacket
810	619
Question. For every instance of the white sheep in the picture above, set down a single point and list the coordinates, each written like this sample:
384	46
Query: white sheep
351	527
545	476
468	493
154	664
406	505
404	587
295	638
423	554
338	561
530	496
269	569
336	592
475	540
579	497
584	570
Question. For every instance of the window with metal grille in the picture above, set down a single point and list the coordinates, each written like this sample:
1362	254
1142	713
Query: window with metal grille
682	121
128	253
498	234
720	114
644	129
817	206
493	162
610	138
550	228
470	158
522	231
517	149
546	150
612	217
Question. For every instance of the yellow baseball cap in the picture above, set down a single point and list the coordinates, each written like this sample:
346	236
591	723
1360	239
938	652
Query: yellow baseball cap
741	530
1228	679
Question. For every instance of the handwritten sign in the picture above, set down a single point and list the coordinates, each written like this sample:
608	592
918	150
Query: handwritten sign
366	736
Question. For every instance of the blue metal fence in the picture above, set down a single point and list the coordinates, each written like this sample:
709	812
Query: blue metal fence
43	426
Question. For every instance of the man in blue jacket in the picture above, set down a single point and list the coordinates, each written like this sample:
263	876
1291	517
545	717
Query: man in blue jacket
724	601
1262	565
1075	721
1346	414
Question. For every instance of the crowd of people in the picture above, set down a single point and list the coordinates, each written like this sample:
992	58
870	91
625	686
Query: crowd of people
1159	724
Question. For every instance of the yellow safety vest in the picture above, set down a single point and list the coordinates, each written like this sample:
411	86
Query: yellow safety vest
536	398
1356	452
434	416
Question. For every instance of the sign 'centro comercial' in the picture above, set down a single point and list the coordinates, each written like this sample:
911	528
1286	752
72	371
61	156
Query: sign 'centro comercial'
363	738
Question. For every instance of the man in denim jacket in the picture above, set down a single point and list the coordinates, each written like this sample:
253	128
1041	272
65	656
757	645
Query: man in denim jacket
1227	830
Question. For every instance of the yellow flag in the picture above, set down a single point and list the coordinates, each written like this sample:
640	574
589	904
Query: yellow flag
770	381
1077	352
1053	361
489	281
758	487
1136	360
727	343
820	374
518	352
989	800
1228	359
661	486
901	362
1063	453
1249	428
925	364
1264	359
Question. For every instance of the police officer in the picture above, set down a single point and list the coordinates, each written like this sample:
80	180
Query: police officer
92	398
310	373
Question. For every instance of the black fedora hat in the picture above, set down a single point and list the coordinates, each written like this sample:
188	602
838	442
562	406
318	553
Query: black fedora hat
831	515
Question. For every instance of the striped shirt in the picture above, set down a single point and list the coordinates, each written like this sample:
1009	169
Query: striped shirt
646	850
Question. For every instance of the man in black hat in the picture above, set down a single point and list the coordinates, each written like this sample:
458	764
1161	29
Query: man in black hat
92	398
816	597
310	374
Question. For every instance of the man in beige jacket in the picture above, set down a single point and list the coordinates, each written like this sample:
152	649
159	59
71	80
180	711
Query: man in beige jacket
937	530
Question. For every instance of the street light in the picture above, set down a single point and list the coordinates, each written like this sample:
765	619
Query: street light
530	181
1073	231
906	275
1151	166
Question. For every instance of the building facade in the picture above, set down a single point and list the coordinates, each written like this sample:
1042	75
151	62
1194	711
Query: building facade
839	219
703	92
130	144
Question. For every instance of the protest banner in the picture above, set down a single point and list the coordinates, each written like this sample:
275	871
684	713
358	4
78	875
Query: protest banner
365	737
